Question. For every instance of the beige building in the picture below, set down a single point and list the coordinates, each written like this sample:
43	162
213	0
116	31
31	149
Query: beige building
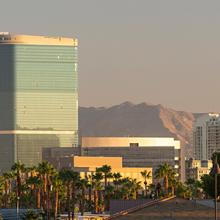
135	152
138	151
195	169
87	165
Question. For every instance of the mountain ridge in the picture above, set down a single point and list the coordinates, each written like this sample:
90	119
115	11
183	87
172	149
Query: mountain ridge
143	120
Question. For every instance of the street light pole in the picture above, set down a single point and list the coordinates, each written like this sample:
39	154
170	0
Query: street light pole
215	171
216	194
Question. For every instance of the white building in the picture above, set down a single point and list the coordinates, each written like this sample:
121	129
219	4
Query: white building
206	136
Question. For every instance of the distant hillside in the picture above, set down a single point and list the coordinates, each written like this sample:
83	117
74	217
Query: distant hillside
141	120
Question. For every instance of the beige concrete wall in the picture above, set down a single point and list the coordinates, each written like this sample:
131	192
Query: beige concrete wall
130	172
125	142
93	162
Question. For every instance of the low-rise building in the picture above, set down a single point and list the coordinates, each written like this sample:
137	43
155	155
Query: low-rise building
195	169
87	165
138	151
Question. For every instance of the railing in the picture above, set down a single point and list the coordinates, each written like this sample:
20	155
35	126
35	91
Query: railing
137	208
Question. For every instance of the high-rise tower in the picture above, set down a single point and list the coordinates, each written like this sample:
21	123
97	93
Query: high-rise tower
206	136
38	96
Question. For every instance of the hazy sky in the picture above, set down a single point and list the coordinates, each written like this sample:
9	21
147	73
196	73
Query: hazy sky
165	51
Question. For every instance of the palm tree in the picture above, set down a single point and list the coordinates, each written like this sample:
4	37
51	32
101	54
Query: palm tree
163	171
75	179
136	186
116	182
18	168
1	190
130	188
109	194
35	183
57	185
82	185
89	186
7	177
66	178
146	175
172	180
30	215
46	171
126	188
97	186
70	179
106	170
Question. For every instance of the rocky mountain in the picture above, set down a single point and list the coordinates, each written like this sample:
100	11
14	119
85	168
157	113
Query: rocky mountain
143	120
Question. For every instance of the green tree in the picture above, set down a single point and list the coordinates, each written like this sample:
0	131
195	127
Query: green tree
106	170
7	178
82	186
46	171
164	171
18	168
57	186
30	215
70	179
172	179
117	180
183	191
146	175
208	181
97	177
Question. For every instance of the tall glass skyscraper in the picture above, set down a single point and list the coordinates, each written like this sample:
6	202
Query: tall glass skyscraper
38	96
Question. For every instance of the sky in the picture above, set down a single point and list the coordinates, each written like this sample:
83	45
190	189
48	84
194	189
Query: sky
160	51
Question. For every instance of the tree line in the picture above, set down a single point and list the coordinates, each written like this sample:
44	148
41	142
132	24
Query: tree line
43	187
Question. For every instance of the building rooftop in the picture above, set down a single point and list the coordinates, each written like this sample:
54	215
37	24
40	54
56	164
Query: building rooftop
7	38
130	141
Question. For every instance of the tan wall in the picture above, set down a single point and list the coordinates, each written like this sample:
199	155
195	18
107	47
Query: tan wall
93	162
134	173
125	142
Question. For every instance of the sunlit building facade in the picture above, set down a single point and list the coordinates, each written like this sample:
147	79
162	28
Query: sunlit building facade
206	136
138	151
195	169
38	96
86	165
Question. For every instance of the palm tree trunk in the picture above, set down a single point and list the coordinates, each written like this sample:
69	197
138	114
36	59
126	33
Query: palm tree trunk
68	201
105	194
48	202
56	199
73	204
18	188
44	192
38	198
100	201
166	184
145	188
90	195
96	200
6	193
172	188
83	201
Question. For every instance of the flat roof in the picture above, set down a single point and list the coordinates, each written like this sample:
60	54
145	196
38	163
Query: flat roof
129	141
7	38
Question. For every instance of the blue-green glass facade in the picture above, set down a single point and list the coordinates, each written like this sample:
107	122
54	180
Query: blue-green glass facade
38	100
